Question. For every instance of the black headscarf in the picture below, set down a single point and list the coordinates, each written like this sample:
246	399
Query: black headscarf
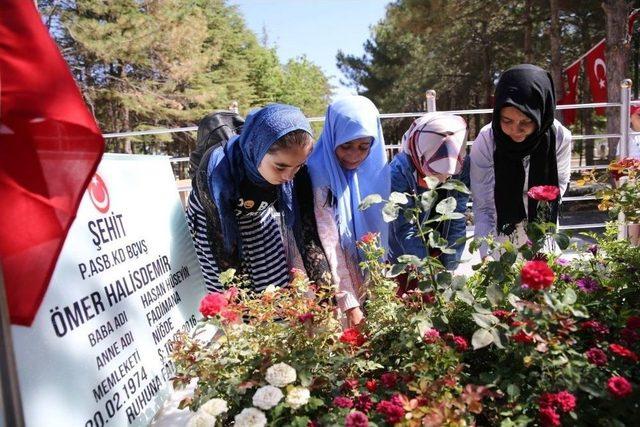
529	89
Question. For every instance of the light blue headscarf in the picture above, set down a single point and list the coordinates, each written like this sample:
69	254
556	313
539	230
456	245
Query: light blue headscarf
242	155
347	119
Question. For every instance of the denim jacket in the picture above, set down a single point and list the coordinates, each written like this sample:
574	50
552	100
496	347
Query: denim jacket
403	239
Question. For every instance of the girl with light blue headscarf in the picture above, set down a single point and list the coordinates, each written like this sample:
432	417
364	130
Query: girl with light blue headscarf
237	192
349	163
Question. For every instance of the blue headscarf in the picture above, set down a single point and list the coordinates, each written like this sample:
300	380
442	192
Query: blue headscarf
348	119
242	155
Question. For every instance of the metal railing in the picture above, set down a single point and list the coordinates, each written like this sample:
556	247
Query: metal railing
430	104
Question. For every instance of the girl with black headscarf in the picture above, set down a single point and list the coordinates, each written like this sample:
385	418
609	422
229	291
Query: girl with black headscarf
523	147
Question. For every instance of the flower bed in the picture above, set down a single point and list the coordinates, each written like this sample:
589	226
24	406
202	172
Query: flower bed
530	338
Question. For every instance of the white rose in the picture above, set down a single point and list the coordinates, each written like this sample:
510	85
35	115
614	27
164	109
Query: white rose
267	397
250	417
202	419
214	407
297	397
280	374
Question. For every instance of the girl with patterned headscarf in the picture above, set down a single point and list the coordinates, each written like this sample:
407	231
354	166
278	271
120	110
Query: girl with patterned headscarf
232	211
434	146
347	164
523	146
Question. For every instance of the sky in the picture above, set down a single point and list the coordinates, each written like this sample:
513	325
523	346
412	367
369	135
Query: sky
315	28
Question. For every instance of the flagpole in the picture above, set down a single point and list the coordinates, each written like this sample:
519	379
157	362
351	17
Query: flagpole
11	403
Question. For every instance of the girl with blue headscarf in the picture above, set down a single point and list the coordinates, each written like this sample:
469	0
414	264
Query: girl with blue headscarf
236	193
349	163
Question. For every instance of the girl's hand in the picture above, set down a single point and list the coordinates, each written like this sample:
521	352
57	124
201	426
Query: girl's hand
354	317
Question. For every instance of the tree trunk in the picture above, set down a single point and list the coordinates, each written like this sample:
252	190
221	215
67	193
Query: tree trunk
616	57
528	32
556	60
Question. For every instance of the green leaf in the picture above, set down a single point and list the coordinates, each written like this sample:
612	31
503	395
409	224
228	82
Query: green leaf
454	184
451	216
370	200
562	240
227	276
513	300
570	297
508	258
446	206
432	182
485	320
494	294
399	198
465	296
513	391
427	199
390	212
499	338
396	270
443	278
410	259
423	326
481	338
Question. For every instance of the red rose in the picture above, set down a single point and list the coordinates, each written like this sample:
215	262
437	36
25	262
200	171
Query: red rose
619	386
537	275
353	337
369	238
371	385
623	352
565	401
212	304
356	419
343	402
633	322
389	379
597	357
549	417
544	193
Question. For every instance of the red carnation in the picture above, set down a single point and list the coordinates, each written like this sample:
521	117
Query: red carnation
502	314
549	417
343	402
364	403
633	322
619	386
369	238
392	413
537	275
353	337
565	401
230	316
356	419
544	193
389	379
460	343
304	317
547	400
595	326
629	336
596	356
212	304
623	352
371	385
523	337
431	336
350	384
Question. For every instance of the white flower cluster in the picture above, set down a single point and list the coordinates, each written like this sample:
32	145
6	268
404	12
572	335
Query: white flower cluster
280	374
267	397
250	417
297	397
206	415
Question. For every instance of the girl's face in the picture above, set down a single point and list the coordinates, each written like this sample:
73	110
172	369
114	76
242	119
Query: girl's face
351	154
515	124
282	165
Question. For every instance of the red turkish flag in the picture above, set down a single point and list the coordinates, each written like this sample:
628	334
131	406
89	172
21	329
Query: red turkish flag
50	147
570	95
597	71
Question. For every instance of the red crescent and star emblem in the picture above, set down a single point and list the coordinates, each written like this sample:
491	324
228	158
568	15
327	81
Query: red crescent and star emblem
99	194
599	63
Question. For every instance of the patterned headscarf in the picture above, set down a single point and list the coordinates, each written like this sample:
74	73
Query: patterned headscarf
436	144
